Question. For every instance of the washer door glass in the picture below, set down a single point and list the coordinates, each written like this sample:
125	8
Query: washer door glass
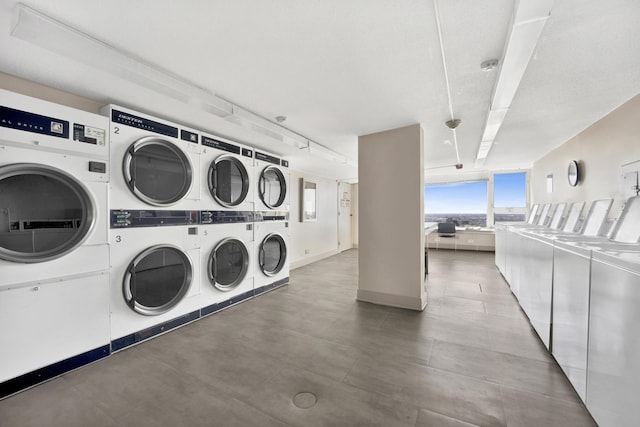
228	264
228	181
157	171
272	187
272	254
45	213
157	279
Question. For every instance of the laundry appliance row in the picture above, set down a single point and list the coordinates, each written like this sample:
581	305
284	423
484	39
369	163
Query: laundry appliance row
121	226
578	284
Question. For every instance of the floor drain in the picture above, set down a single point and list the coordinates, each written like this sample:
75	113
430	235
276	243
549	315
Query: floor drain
305	400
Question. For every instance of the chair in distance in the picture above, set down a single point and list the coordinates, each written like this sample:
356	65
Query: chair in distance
446	229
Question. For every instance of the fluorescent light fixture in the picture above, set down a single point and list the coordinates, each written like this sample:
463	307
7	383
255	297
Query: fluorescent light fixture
45	32
494	121
484	149
520	46
529	19
48	33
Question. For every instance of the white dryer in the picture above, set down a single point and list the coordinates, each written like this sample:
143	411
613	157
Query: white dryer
154	163
272	182
155	275
227	264
271	241
54	253
227	175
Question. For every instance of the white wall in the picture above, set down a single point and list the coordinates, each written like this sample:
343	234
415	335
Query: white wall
35	90
355	211
319	238
391	233
600	151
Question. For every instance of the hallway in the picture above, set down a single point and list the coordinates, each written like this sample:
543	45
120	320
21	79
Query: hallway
470	358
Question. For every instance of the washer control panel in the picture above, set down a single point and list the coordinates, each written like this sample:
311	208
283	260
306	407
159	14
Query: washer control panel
152	218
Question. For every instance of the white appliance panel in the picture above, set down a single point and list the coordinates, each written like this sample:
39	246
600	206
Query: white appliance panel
613	371
52	321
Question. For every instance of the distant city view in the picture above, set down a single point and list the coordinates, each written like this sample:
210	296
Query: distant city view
475	220
444	202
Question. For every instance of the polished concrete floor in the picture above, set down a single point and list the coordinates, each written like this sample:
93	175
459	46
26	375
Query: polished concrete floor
470	358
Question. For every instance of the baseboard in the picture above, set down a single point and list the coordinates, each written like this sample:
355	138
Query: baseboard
311	259
400	301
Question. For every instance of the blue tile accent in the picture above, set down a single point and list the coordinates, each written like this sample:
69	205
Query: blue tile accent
29	379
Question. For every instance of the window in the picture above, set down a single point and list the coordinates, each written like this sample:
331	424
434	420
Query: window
509	196
464	203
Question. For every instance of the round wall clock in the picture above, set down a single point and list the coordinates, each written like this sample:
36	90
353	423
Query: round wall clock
573	173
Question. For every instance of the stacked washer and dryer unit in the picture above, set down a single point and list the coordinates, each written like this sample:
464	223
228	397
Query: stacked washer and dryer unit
54	252
227	223
272	232
186	238
154	203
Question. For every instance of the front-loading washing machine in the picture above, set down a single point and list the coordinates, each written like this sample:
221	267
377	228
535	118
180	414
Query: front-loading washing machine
227	175
54	252
271	242
155	273
227	264
272	182
155	164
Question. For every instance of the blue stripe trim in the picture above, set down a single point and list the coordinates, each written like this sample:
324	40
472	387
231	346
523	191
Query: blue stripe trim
136	337
271	286
30	379
214	308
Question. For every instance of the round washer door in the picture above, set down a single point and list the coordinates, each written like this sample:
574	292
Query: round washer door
228	180
228	264
45	213
272	254
157	279
272	187
157	171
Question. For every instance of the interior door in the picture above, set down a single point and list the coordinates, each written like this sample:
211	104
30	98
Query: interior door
345	217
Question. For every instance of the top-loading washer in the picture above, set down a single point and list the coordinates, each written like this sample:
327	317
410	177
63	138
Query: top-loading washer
272	182
535	287
228	177
613	357
54	253
572	265
155	164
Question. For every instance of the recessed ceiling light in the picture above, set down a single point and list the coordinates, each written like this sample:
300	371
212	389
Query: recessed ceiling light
489	64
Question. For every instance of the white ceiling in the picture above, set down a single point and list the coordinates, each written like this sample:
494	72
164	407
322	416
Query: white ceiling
338	69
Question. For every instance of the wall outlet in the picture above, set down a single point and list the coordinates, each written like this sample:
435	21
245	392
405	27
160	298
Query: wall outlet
470	241
306	251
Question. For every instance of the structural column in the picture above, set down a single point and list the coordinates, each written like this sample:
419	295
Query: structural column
391	218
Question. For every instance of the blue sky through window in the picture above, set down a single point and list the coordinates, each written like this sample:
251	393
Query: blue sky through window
461	197
510	190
